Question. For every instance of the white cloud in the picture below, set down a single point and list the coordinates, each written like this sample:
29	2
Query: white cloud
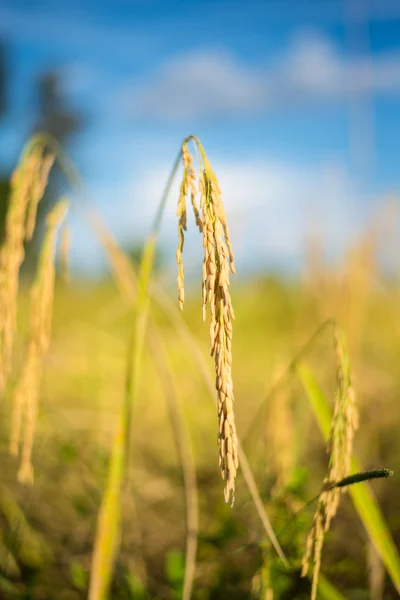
316	68
216	83
271	208
197	84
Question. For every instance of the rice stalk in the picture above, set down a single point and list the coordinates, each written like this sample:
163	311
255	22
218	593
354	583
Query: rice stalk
71	173
216	233
27	391
108	533
218	262
362	495
126	282
185	453
193	348
125	279
340	447
28	184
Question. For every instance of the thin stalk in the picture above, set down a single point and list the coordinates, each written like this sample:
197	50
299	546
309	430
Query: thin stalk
185	453
109	524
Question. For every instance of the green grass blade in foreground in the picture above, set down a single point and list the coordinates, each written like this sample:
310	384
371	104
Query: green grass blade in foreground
109	523
363	498
109	520
183	444
138	334
327	591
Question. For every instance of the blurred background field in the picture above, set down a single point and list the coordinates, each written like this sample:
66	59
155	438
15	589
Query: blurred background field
297	105
83	388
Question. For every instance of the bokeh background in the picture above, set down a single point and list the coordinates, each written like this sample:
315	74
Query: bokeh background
297	104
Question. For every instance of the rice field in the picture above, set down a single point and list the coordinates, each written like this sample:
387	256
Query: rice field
121	411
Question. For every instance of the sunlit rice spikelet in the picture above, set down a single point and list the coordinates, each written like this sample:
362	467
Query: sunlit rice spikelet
181	214
27	392
346	413
340	446
188	183
28	183
343	426
218	261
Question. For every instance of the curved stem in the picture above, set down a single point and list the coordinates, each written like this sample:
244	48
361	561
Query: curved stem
164	197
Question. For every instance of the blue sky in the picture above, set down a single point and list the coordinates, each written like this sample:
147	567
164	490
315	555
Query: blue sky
297	104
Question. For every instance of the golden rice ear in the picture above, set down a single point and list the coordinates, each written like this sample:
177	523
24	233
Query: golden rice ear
28	184
345	421
340	446
27	392
218	261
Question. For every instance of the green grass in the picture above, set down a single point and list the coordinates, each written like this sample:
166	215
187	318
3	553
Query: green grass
82	391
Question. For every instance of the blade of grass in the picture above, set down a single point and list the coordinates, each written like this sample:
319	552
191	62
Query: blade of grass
327	591
185	454
109	519
363	498
109	524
